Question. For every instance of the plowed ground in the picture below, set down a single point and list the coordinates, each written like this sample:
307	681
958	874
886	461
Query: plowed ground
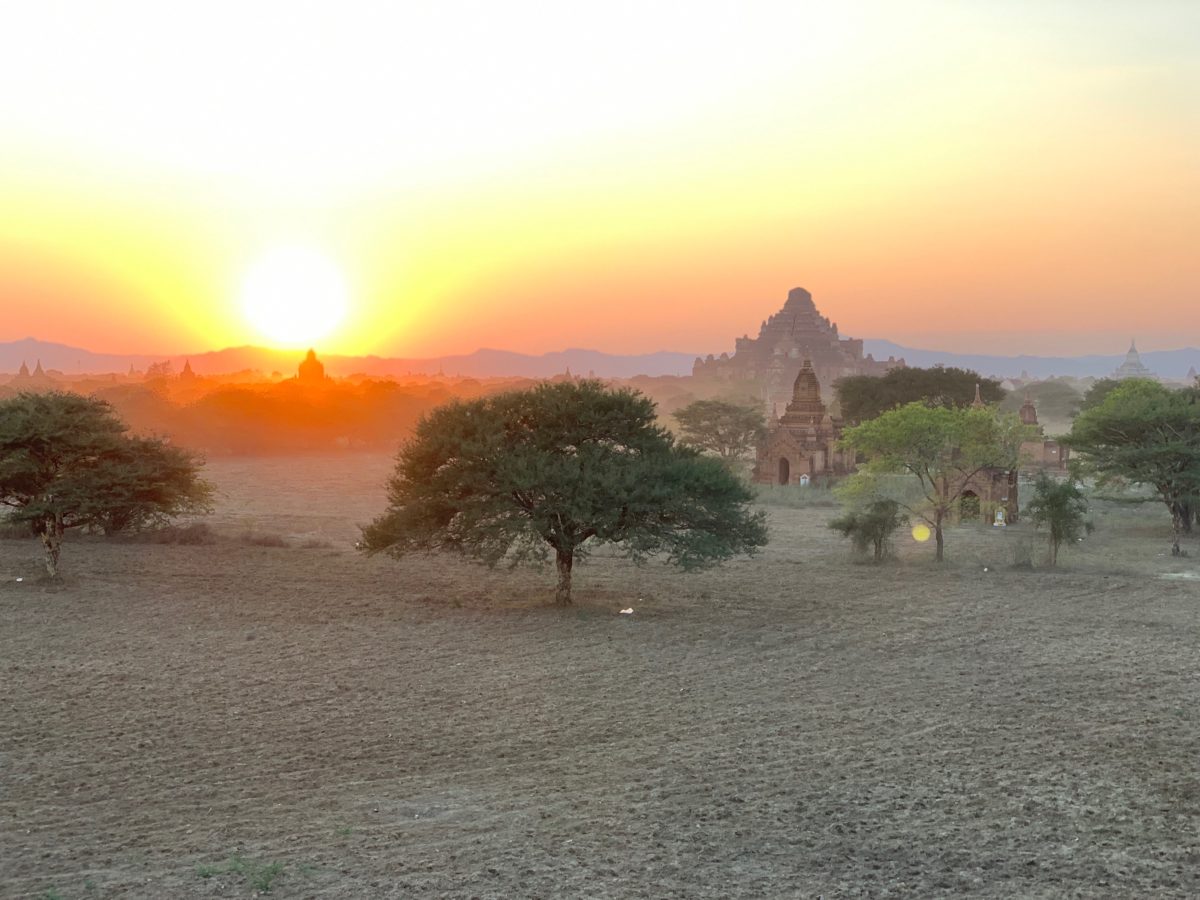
177	719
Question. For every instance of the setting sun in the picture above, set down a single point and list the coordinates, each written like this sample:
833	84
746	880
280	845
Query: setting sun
294	295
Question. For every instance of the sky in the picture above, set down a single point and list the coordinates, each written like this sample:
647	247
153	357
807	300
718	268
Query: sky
420	179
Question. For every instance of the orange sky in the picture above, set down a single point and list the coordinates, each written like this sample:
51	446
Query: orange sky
1018	177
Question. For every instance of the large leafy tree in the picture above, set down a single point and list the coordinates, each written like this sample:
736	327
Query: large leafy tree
66	462
1144	433
942	447
729	430
561	468
863	397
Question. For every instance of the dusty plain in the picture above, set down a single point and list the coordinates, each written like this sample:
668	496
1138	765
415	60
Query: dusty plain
223	719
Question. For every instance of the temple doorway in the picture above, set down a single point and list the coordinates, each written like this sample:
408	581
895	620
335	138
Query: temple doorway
968	506
785	470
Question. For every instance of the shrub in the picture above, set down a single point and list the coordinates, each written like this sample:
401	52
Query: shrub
871	528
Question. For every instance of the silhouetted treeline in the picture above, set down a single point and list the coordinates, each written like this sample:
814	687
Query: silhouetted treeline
287	416
863	397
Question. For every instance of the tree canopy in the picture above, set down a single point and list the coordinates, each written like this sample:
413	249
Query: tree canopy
1100	389
1144	433
66	462
864	397
560	467
942	447
729	430
871	527
1060	507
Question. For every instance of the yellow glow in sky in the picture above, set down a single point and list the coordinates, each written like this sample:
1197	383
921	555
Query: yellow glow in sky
625	176
294	295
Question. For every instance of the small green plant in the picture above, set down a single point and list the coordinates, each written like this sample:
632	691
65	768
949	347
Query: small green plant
259	876
51	894
344	831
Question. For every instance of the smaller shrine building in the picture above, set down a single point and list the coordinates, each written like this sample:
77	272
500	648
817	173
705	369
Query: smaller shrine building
801	445
1041	452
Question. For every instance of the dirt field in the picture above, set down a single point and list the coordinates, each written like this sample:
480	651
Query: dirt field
210	721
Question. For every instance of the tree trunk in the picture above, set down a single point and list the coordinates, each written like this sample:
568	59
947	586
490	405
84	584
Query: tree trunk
51	534
564	559
937	533
1177	525
1053	552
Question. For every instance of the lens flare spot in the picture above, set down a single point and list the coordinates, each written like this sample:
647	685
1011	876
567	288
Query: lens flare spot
921	532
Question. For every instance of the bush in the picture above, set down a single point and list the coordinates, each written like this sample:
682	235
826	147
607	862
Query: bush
871	528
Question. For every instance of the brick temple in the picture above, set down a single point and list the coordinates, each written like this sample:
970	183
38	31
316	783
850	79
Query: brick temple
796	333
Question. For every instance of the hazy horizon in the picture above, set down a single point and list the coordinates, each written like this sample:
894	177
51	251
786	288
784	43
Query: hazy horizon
1117	349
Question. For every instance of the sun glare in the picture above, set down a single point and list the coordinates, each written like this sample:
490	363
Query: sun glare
294	295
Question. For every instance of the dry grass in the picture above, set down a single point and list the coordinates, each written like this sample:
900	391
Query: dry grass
791	725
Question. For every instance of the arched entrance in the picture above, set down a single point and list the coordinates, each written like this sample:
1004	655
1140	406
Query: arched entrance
785	470
968	506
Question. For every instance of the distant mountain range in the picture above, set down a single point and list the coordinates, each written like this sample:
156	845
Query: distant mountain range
500	363
1164	363
482	363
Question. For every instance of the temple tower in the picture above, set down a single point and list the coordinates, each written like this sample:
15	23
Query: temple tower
1028	411
1132	367
312	370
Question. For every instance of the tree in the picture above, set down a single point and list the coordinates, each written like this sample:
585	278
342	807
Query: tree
560	467
1145	433
66	462
726	429
1061	507
863	397
871	527
942	447
1095	395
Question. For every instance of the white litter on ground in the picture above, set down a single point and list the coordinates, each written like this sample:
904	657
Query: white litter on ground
627	612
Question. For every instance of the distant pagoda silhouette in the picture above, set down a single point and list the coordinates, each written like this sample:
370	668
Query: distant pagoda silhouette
312	370
1132	367
35	381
